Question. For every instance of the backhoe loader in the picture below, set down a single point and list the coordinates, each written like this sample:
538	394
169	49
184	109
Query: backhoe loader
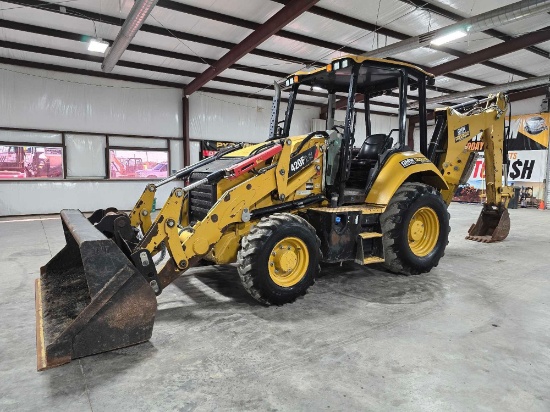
278	209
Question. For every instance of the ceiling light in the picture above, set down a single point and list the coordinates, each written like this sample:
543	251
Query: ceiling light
97	45
446	38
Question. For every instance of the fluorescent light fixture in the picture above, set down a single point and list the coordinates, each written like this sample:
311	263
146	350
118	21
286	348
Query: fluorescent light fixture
97	45
446	38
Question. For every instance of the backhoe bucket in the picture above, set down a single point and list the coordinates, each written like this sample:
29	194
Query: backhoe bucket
89	298
493	225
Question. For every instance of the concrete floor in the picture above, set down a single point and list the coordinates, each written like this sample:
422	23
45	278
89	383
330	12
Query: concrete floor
474	334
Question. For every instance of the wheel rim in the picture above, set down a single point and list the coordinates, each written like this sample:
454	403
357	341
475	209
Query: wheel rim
423	231
288	262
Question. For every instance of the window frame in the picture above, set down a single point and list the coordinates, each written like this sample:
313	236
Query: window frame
62	145
44	145
108	149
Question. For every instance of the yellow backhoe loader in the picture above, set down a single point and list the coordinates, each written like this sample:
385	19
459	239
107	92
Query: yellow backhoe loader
278	209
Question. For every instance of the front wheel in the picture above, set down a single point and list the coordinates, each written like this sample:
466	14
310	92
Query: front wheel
279	259
415	228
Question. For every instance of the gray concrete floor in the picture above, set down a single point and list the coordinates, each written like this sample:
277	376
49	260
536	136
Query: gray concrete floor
474	334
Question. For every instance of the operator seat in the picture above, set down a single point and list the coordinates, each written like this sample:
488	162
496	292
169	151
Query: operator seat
373	146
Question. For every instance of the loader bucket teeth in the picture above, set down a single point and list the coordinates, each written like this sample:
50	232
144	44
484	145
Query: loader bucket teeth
493	225
89	298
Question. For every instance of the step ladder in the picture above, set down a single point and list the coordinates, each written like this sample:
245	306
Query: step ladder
369	248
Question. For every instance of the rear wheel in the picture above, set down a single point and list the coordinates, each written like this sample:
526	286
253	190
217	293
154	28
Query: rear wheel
279	259
415	229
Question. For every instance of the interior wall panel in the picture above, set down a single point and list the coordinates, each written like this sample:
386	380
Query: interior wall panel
38	99
236	119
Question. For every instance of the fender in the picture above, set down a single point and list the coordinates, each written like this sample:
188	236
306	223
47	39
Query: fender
401	167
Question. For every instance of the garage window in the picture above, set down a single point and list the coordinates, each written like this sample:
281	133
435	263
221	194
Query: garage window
31	162
138	164
36	154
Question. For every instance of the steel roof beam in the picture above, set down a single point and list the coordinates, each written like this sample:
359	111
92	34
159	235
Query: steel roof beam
223	44
500	49
515	96
147	28
492	65
175	6
85	72
142	49
122	63
422	4
520	85
478	57
342	18
253	40
247	24
61	34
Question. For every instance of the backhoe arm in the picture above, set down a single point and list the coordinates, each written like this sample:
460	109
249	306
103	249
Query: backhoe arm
456	162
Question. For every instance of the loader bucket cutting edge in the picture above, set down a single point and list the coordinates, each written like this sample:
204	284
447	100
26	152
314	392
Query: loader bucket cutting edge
493	225
89	298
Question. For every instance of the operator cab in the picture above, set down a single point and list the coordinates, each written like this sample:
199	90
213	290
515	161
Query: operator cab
351	171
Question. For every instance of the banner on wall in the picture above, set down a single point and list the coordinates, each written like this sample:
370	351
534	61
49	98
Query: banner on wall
210	147
527	160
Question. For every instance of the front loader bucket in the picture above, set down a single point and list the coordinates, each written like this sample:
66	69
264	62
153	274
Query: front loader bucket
89	298
493	225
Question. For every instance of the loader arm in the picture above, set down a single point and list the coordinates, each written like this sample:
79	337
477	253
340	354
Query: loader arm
140	216
187	245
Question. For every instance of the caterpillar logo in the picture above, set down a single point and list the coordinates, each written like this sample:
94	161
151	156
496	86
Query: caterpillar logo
462	133
411	161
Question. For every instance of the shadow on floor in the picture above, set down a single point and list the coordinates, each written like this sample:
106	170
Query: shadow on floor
224	289
374	284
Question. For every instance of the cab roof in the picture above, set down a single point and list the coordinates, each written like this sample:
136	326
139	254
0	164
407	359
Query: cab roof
375	74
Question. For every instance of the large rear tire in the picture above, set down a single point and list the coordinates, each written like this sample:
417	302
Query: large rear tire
415	228
279	259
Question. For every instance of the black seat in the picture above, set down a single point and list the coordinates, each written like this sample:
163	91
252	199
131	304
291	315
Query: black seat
365	160
372	147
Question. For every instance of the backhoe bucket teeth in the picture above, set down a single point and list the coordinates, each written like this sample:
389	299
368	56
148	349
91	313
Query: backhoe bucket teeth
493	225
89	298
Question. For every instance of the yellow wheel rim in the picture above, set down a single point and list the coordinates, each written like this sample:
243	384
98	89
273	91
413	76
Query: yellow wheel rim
288	262
423	231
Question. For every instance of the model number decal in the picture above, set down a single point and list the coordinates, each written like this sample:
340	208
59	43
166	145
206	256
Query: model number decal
302	160
297	164
411	161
